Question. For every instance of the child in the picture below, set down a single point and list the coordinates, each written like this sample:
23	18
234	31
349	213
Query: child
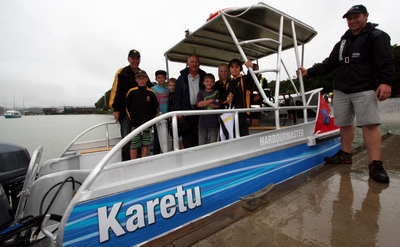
141	106
171	87
162	93
161	90
224	76
208	98
237	93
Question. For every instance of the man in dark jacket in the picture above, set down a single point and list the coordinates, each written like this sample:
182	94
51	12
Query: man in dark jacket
124	80
365	69
187	87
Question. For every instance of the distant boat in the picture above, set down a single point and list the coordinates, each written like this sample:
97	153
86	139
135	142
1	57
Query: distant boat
12	114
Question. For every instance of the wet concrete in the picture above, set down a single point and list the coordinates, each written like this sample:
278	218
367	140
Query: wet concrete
339	207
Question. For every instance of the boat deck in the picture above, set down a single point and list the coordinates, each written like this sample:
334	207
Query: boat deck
333	205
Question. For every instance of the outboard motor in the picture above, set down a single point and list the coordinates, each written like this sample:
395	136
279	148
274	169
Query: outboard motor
6	213
14	162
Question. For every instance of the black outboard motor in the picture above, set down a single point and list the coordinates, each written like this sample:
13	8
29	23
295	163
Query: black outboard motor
14	162
6	213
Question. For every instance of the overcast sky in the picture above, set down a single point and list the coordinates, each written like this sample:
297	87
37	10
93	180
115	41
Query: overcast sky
56	53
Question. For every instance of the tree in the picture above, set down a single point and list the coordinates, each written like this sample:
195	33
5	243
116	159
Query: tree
310	83
102	103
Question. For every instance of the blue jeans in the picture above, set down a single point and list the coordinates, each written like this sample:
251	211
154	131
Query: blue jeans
208	135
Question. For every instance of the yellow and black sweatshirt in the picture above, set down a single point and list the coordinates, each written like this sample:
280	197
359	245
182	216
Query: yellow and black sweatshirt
124	80
141	105
241	88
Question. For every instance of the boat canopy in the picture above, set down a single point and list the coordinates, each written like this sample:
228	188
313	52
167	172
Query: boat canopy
214	44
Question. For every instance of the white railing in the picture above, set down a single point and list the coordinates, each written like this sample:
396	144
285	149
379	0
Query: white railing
107	136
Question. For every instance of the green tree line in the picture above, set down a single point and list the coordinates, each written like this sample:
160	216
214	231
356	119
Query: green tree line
102	103
310	83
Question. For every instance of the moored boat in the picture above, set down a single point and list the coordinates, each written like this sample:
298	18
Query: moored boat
12	114
88	196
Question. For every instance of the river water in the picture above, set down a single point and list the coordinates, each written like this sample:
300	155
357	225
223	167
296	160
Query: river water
55	132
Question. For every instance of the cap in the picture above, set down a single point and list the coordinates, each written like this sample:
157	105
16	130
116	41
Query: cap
161	72
133	53
141	72
356	9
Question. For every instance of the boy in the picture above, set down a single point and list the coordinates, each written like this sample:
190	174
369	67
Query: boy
141	106
208	98
161	90
237	93
162	93
171	88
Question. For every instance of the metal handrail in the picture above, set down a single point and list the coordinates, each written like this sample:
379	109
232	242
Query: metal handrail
33	168
174	116
86	131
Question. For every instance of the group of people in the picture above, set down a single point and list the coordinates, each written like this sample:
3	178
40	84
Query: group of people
196	89
364	65
135	100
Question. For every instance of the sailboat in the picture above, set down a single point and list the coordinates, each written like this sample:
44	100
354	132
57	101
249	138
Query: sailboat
12	113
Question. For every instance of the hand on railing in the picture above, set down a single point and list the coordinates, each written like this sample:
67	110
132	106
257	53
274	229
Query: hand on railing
302	70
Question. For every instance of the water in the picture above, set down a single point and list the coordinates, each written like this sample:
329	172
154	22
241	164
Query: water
55	132
390	117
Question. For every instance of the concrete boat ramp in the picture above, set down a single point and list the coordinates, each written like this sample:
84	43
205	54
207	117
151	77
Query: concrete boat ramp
332	205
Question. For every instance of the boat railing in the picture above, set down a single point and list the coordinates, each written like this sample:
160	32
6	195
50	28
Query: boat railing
174	122
33	168
107	136
277	69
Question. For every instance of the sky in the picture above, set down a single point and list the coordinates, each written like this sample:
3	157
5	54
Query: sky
66	53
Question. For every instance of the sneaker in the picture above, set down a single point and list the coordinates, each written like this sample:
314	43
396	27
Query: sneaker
339	158
377	172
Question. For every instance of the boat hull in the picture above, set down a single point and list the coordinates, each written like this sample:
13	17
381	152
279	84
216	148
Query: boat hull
12	116
142	214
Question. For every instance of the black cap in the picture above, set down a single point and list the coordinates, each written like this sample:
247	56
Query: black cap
141	72
133	53
161	72
356	9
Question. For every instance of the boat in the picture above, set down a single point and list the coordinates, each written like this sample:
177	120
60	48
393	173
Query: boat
89	197
12	114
